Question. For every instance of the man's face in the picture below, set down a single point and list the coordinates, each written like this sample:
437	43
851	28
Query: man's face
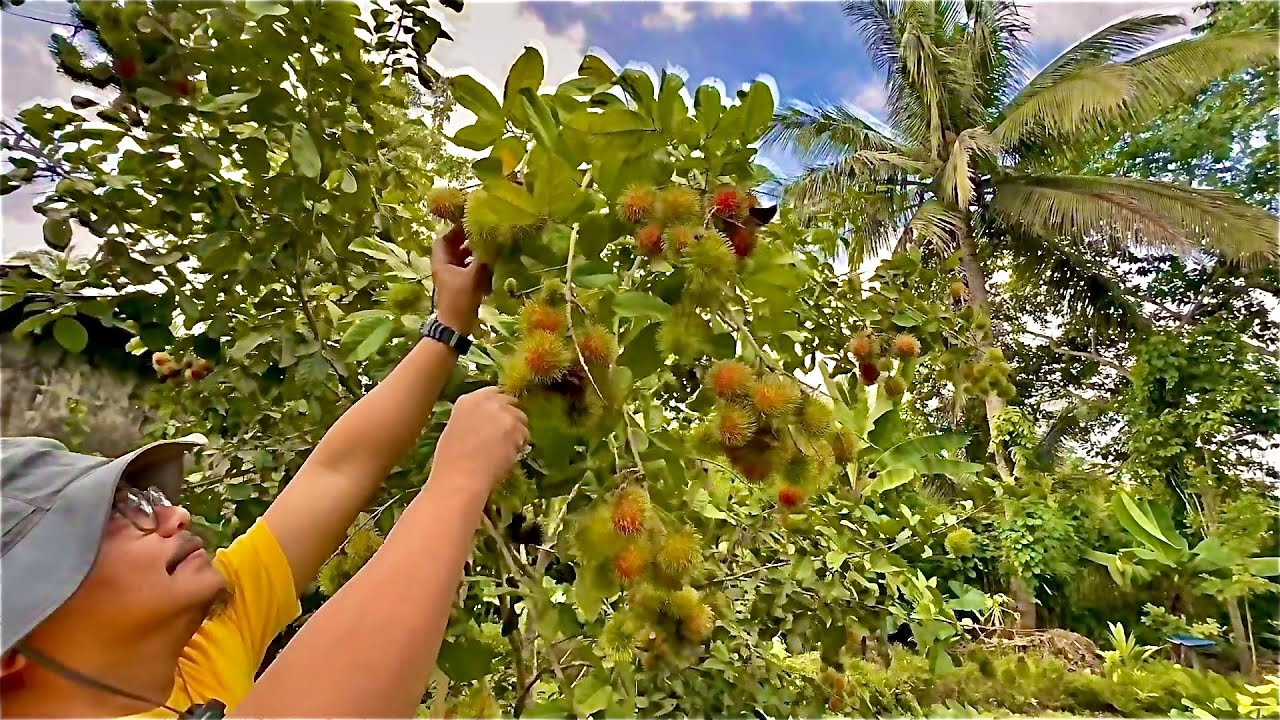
143	579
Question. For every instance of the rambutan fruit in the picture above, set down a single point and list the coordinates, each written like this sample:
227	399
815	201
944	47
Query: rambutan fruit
961	542
969	371
906	346
869	373
844	445
685	601
514	378
636	203
995	355
596	345
199	369
835	704
742	239
678	204
617	638
711	254
774	396
629	511
958	290
677	240
126	67
729	202
729	379
679	552
685	334
863	346
447	203
697	624
163	364
755	461
631	564
546	357
884	364
816	416
542	316
593	534
800	470
822	454
649	240
734	425
646	601
790	497
894	386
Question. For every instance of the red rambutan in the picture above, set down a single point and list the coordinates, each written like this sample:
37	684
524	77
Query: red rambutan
630	507
649	239
630	564
636	203
730	379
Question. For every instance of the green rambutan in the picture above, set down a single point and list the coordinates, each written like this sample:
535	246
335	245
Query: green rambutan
774	396
755	461
677	240
617	638
678	204
685	334
514	378
800	470
863	346
816	416
546	357
685	601
961	542
906	346
629	510
729	379
649	240
680	551
447	203
597	346
844	445
894	386
697	624
631	564
995	356
958	290
636	203
884	364
729	202
734	425
711	254
542	316
593	534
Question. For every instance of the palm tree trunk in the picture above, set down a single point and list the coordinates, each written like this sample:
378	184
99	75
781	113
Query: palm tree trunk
1024	601
976	279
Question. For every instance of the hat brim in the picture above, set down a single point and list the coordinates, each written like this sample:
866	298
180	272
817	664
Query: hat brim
46	566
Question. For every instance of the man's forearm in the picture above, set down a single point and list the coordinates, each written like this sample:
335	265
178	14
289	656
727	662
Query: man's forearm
370	650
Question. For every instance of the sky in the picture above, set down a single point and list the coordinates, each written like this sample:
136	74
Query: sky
805	50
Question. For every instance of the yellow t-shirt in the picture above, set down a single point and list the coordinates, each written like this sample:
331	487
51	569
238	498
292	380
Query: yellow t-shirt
220	661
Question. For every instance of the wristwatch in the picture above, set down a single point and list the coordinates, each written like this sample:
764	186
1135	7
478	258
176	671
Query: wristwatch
442	333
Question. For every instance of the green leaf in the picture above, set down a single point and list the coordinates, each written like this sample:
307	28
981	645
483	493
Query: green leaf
475	97
32	323
616	120
526	74
910	450
1213	555
757	110
557	189
57	233
1139	521
348	182
246	344
672	112
478	135
367	336
466	659
152	98
889	479
596	69
640	304
637	84
707	106
541	123
302	148
968	598
223	103
502	202
258	8
1263	566
70	334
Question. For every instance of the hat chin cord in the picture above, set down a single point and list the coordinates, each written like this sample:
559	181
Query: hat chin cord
214	709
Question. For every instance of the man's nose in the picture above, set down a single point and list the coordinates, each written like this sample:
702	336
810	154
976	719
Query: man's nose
172	520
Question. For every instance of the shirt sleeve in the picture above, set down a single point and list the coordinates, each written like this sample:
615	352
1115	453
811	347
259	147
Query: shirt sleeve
262	598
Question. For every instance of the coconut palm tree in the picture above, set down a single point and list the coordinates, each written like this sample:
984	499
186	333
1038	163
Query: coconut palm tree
979	157
976	158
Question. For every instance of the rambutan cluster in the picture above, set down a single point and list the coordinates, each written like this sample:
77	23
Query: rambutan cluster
773	432
986	374
875	356
621	543
488	239
676	220
191	369
559	370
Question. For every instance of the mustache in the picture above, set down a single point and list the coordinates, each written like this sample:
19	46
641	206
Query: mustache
190	545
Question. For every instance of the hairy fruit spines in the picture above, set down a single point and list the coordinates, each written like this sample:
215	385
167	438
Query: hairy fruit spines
730	379
629	511
863	346
894	386
869	372
546	357
679	551
631	564
597	346
961	542
843	446
447	203
649	240
742	239
541	316
816	416
678	204
728	201
636	204
677	239
774	396
734	425
790	497
906	346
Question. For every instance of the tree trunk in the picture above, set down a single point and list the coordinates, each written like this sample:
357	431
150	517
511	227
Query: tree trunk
976	279
1024	601
1240	638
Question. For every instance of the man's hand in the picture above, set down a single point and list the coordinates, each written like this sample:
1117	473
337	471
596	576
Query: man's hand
460	282
482	440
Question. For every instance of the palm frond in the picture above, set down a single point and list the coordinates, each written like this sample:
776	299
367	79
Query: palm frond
957	176
997	48
826	132
1171	73
1068	422
935	223
1083	100
1125	212
873	20
1117	41
851	174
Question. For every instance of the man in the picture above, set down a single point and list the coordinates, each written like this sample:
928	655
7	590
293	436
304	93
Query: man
112	608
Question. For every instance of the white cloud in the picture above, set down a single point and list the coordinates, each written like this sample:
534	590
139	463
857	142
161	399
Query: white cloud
1054	22
730	9
488	37
871	97
670	15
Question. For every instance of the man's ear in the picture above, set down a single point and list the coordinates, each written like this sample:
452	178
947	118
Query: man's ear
11	665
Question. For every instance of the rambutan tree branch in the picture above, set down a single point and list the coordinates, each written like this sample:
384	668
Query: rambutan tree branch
1054	346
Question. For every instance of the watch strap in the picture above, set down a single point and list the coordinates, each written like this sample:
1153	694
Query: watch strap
441	333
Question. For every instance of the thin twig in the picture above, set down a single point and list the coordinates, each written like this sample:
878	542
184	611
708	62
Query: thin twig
346	381
1054	346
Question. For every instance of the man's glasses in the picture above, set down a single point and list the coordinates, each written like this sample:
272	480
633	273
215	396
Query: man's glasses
139	507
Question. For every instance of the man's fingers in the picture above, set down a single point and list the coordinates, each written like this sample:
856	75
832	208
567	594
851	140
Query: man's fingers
481	276
450	247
